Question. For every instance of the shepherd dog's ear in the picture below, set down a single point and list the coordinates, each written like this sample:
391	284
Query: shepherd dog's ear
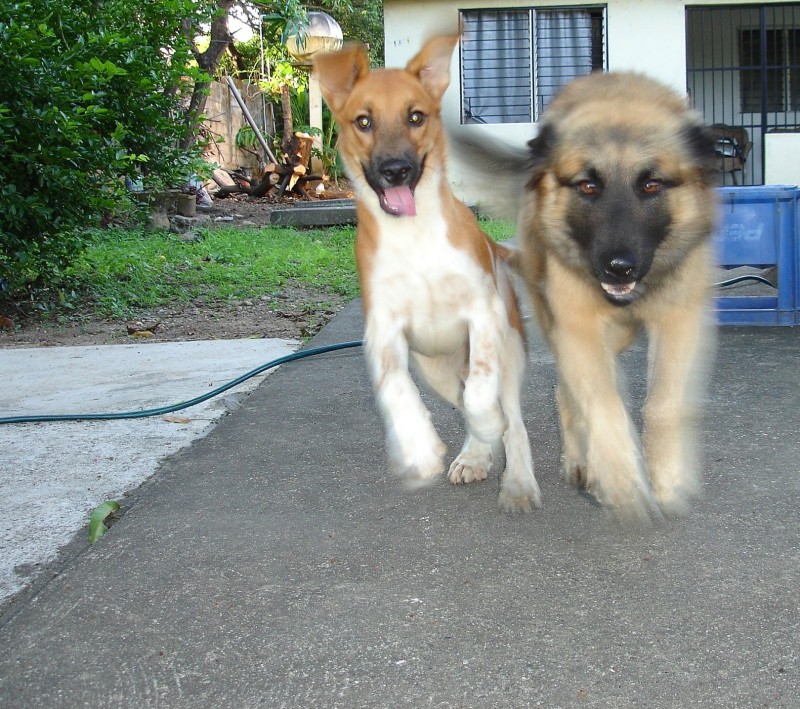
540	150
339	71
432	65
701	143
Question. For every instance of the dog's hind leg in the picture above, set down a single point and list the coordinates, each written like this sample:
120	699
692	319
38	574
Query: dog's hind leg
679	346
518	488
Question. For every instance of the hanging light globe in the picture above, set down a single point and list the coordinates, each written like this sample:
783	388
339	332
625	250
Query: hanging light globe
322	34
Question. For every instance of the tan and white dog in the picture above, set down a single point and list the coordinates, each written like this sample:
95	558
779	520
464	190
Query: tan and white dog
435	288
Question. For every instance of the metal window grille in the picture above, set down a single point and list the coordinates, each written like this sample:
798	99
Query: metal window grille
496	66
743	74
513	62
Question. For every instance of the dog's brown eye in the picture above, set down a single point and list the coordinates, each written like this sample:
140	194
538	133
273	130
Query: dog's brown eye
589	188
363	123
652	187
416	118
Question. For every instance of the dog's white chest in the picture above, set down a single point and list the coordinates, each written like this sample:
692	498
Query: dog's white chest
428	286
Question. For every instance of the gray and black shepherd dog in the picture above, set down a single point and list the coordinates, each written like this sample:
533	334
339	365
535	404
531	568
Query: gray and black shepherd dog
614	232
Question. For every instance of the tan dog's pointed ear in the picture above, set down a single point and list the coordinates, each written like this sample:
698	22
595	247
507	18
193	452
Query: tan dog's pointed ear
432	65
339	71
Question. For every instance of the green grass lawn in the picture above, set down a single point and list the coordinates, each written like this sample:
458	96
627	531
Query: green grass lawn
124	271
127	270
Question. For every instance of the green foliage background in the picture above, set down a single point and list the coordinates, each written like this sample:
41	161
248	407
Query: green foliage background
91	92
96	90
360	20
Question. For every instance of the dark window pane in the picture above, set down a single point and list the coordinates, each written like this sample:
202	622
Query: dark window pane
764	79
496	67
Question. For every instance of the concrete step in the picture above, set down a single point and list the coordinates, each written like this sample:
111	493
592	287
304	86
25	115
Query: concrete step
329	212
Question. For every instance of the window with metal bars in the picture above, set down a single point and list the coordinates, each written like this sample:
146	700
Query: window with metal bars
780	80
743	74
513	62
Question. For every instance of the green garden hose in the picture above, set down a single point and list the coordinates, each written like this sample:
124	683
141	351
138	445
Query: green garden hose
302	354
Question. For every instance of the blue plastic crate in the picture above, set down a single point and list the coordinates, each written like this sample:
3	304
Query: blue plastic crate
758	227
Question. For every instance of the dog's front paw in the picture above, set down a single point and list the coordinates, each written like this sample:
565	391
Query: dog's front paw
519	494
674	493
614	475
627	497
471	465
672	465
422	464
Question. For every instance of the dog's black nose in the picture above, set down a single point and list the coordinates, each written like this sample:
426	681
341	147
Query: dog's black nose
621	267
396	172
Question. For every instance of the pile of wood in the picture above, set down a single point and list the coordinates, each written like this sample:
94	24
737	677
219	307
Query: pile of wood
291	175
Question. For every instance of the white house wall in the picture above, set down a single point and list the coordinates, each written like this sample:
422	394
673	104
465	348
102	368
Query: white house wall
661	54
648	36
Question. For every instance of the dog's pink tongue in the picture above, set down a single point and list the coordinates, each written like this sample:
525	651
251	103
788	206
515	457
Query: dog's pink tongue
399	201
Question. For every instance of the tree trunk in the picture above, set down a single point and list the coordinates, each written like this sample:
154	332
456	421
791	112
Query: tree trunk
288	124
208	61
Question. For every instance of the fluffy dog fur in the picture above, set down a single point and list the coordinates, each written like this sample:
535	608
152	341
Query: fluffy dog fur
614	233
435	288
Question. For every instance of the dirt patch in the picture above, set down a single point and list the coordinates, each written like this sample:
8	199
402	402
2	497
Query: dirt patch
298	312
239	210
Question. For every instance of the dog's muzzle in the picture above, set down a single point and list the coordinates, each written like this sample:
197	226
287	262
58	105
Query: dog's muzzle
619	279
394	181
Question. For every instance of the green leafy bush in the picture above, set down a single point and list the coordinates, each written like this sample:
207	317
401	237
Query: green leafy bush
91	93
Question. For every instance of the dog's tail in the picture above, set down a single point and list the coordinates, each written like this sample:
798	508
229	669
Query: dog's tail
500	168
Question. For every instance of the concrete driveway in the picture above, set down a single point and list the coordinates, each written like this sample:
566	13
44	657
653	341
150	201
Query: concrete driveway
54	474
275	563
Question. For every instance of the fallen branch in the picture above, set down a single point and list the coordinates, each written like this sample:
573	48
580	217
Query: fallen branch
281	177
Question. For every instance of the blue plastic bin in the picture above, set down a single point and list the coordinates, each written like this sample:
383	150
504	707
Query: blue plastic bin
758	227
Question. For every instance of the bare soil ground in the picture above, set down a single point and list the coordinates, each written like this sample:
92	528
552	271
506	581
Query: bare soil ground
299	312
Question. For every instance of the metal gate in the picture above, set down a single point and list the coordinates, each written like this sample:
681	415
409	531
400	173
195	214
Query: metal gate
743	74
